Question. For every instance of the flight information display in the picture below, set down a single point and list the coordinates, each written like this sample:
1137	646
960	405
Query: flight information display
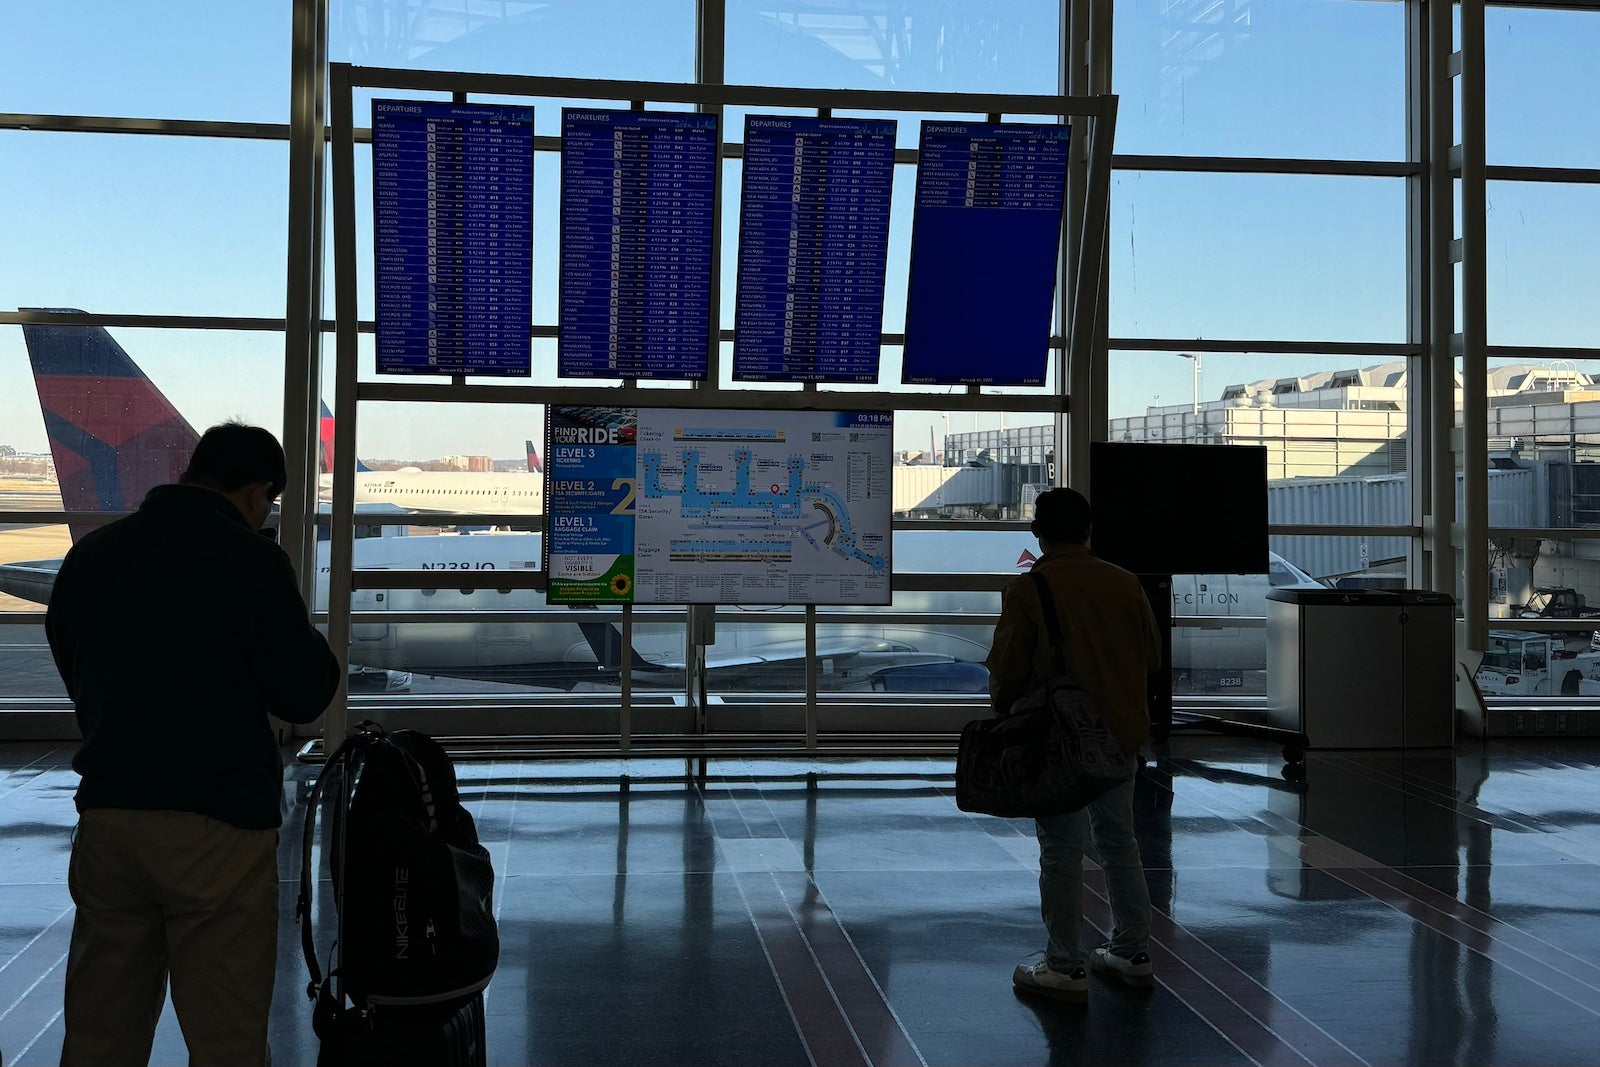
452	191
985	247
638	193
813	248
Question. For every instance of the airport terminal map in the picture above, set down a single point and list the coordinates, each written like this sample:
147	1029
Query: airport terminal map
668	506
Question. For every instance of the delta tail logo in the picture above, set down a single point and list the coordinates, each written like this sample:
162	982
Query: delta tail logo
113	435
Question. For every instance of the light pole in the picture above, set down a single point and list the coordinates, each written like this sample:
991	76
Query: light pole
1196	358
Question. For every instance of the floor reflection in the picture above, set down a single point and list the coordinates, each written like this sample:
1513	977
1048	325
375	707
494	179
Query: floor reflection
1383	908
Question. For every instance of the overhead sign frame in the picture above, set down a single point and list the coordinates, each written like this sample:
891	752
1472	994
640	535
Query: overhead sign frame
1082	271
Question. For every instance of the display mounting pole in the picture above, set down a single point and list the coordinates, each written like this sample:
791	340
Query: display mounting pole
625	713
811	677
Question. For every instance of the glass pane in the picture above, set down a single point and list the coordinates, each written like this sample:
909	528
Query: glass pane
1539	72
464	439
1319	417
207	376
1535	580
546	656
852	657
1541	268
1544	439
645	40
1219	638
27	670
29	556
917	45
1540	578
1257	256
193	59
154	225
1310	79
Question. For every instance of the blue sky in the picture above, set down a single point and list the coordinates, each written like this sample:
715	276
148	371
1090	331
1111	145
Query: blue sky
185	226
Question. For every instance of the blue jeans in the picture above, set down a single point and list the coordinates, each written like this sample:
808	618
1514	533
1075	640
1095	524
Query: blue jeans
1061	841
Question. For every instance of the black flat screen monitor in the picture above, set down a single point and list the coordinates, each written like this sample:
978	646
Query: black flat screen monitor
1180	509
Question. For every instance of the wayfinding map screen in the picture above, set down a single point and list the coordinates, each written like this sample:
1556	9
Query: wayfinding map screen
985	245
669	506
452	189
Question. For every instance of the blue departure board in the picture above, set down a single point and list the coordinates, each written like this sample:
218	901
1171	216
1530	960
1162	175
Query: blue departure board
638	192
452	191
985	247
813	247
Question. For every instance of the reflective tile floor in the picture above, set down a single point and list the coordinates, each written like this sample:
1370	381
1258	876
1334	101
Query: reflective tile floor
1390	909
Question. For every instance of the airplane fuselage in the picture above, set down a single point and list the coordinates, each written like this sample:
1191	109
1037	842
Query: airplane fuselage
449	492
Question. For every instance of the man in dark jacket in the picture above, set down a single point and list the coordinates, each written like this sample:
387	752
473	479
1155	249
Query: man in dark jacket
178	631
1112	644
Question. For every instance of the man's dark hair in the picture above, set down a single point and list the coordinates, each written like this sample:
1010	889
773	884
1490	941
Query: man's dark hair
233	455
1062	517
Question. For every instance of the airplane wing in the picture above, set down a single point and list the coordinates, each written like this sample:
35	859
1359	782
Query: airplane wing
842	664
30	581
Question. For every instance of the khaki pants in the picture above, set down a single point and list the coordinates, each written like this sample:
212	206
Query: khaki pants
170	892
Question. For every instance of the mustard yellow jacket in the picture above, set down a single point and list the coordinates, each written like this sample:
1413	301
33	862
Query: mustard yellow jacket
1109	630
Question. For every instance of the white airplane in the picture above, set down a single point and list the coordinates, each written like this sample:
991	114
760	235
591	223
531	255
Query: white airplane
155	442
439	492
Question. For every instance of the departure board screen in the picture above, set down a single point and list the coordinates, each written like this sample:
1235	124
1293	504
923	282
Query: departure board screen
985	245
452	191
813	247
638	196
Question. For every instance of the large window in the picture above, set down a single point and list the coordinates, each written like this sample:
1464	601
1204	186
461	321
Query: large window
1258	256
182	221
1264	204
187	59
921	45
1309	79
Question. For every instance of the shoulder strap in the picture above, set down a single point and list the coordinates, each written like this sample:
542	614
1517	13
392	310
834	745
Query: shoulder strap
339	766
303	906
1052	621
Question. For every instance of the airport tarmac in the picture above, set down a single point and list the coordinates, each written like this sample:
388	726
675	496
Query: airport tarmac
27	493
18	543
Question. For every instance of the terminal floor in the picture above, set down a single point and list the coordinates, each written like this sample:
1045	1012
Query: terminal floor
1390	910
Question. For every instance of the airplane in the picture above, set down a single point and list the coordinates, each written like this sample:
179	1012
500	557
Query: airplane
438	492
108	465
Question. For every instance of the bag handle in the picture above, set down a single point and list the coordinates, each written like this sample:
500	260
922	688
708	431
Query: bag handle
1052	622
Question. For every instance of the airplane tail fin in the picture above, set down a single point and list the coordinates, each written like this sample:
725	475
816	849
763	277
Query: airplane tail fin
605	640
534	463
113	434
325	449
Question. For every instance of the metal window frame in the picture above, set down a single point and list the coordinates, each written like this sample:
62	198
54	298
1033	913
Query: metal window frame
1445	542
1083	255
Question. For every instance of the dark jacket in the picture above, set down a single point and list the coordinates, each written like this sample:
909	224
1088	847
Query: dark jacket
177	631
1107	625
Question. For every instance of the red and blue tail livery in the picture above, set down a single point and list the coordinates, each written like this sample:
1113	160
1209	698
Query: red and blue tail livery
113	434
325	447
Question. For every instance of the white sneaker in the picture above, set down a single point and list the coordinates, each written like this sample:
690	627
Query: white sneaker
1136	971
1042	980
